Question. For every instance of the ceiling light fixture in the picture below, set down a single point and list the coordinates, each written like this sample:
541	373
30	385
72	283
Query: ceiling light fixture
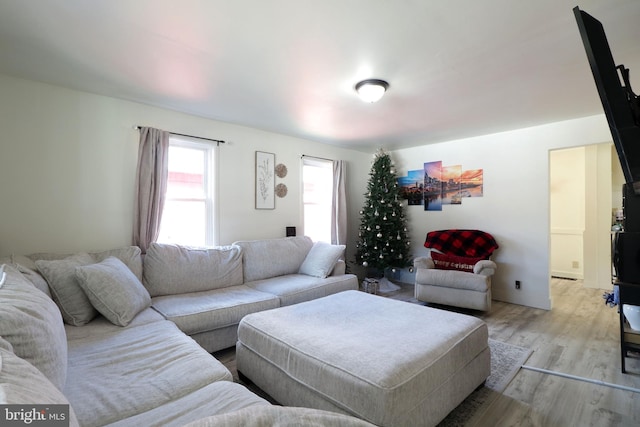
371	90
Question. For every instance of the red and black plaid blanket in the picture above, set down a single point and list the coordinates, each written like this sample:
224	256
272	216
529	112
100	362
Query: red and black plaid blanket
470	243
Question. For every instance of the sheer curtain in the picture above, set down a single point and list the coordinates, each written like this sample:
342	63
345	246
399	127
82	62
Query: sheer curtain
151	185
339	204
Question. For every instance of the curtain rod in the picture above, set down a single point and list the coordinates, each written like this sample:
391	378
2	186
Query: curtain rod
218	141
316	157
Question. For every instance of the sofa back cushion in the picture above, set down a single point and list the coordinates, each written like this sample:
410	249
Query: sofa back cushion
59	271
26	264
32	324
28	268
174	269
263	259
22	383
129	255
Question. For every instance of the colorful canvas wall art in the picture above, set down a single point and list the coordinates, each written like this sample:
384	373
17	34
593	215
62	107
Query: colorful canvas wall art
411	187
433	186
471	183
451	185
436	185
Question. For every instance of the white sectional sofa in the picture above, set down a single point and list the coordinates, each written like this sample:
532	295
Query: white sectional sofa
206	292
134	345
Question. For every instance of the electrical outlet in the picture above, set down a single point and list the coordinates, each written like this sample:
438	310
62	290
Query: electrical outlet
575	264
517	284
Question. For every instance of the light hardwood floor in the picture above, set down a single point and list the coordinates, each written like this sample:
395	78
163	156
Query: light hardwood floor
579	336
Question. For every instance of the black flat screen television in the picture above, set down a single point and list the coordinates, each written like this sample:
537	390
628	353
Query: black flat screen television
620	104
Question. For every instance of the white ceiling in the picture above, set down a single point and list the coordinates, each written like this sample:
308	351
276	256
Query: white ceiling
457	68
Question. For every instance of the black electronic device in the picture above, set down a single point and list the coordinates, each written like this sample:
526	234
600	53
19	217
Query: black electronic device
625	257
630	209
621	105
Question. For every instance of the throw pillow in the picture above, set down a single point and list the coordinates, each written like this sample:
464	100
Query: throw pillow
114	290
454	262
61	275
321	259
129	255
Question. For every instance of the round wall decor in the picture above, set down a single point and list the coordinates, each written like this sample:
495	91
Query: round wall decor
281	170
281	190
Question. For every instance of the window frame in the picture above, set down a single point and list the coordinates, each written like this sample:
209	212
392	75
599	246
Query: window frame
310	161
210	184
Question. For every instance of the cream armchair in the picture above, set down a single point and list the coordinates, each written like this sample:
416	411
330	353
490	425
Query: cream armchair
441	279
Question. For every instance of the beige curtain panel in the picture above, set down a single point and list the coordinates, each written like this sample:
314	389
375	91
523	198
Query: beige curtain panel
339	204
151	185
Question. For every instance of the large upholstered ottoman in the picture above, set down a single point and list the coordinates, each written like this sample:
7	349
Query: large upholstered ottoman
388	362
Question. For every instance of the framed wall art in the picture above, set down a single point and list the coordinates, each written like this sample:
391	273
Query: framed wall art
265	180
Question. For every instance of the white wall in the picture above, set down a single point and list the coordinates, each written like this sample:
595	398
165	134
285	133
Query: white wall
68	160
597	238
515	206
567	211
584	181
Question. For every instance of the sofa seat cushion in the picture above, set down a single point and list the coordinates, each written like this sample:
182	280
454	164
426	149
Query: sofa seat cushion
221	397
453	279
174	269
267	258
197	312
101	325
31	322
22	383
115	373
296	288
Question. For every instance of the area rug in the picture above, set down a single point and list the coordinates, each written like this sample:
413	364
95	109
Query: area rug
506	360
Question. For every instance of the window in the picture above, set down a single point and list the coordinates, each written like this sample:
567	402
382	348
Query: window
317	179
188	216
